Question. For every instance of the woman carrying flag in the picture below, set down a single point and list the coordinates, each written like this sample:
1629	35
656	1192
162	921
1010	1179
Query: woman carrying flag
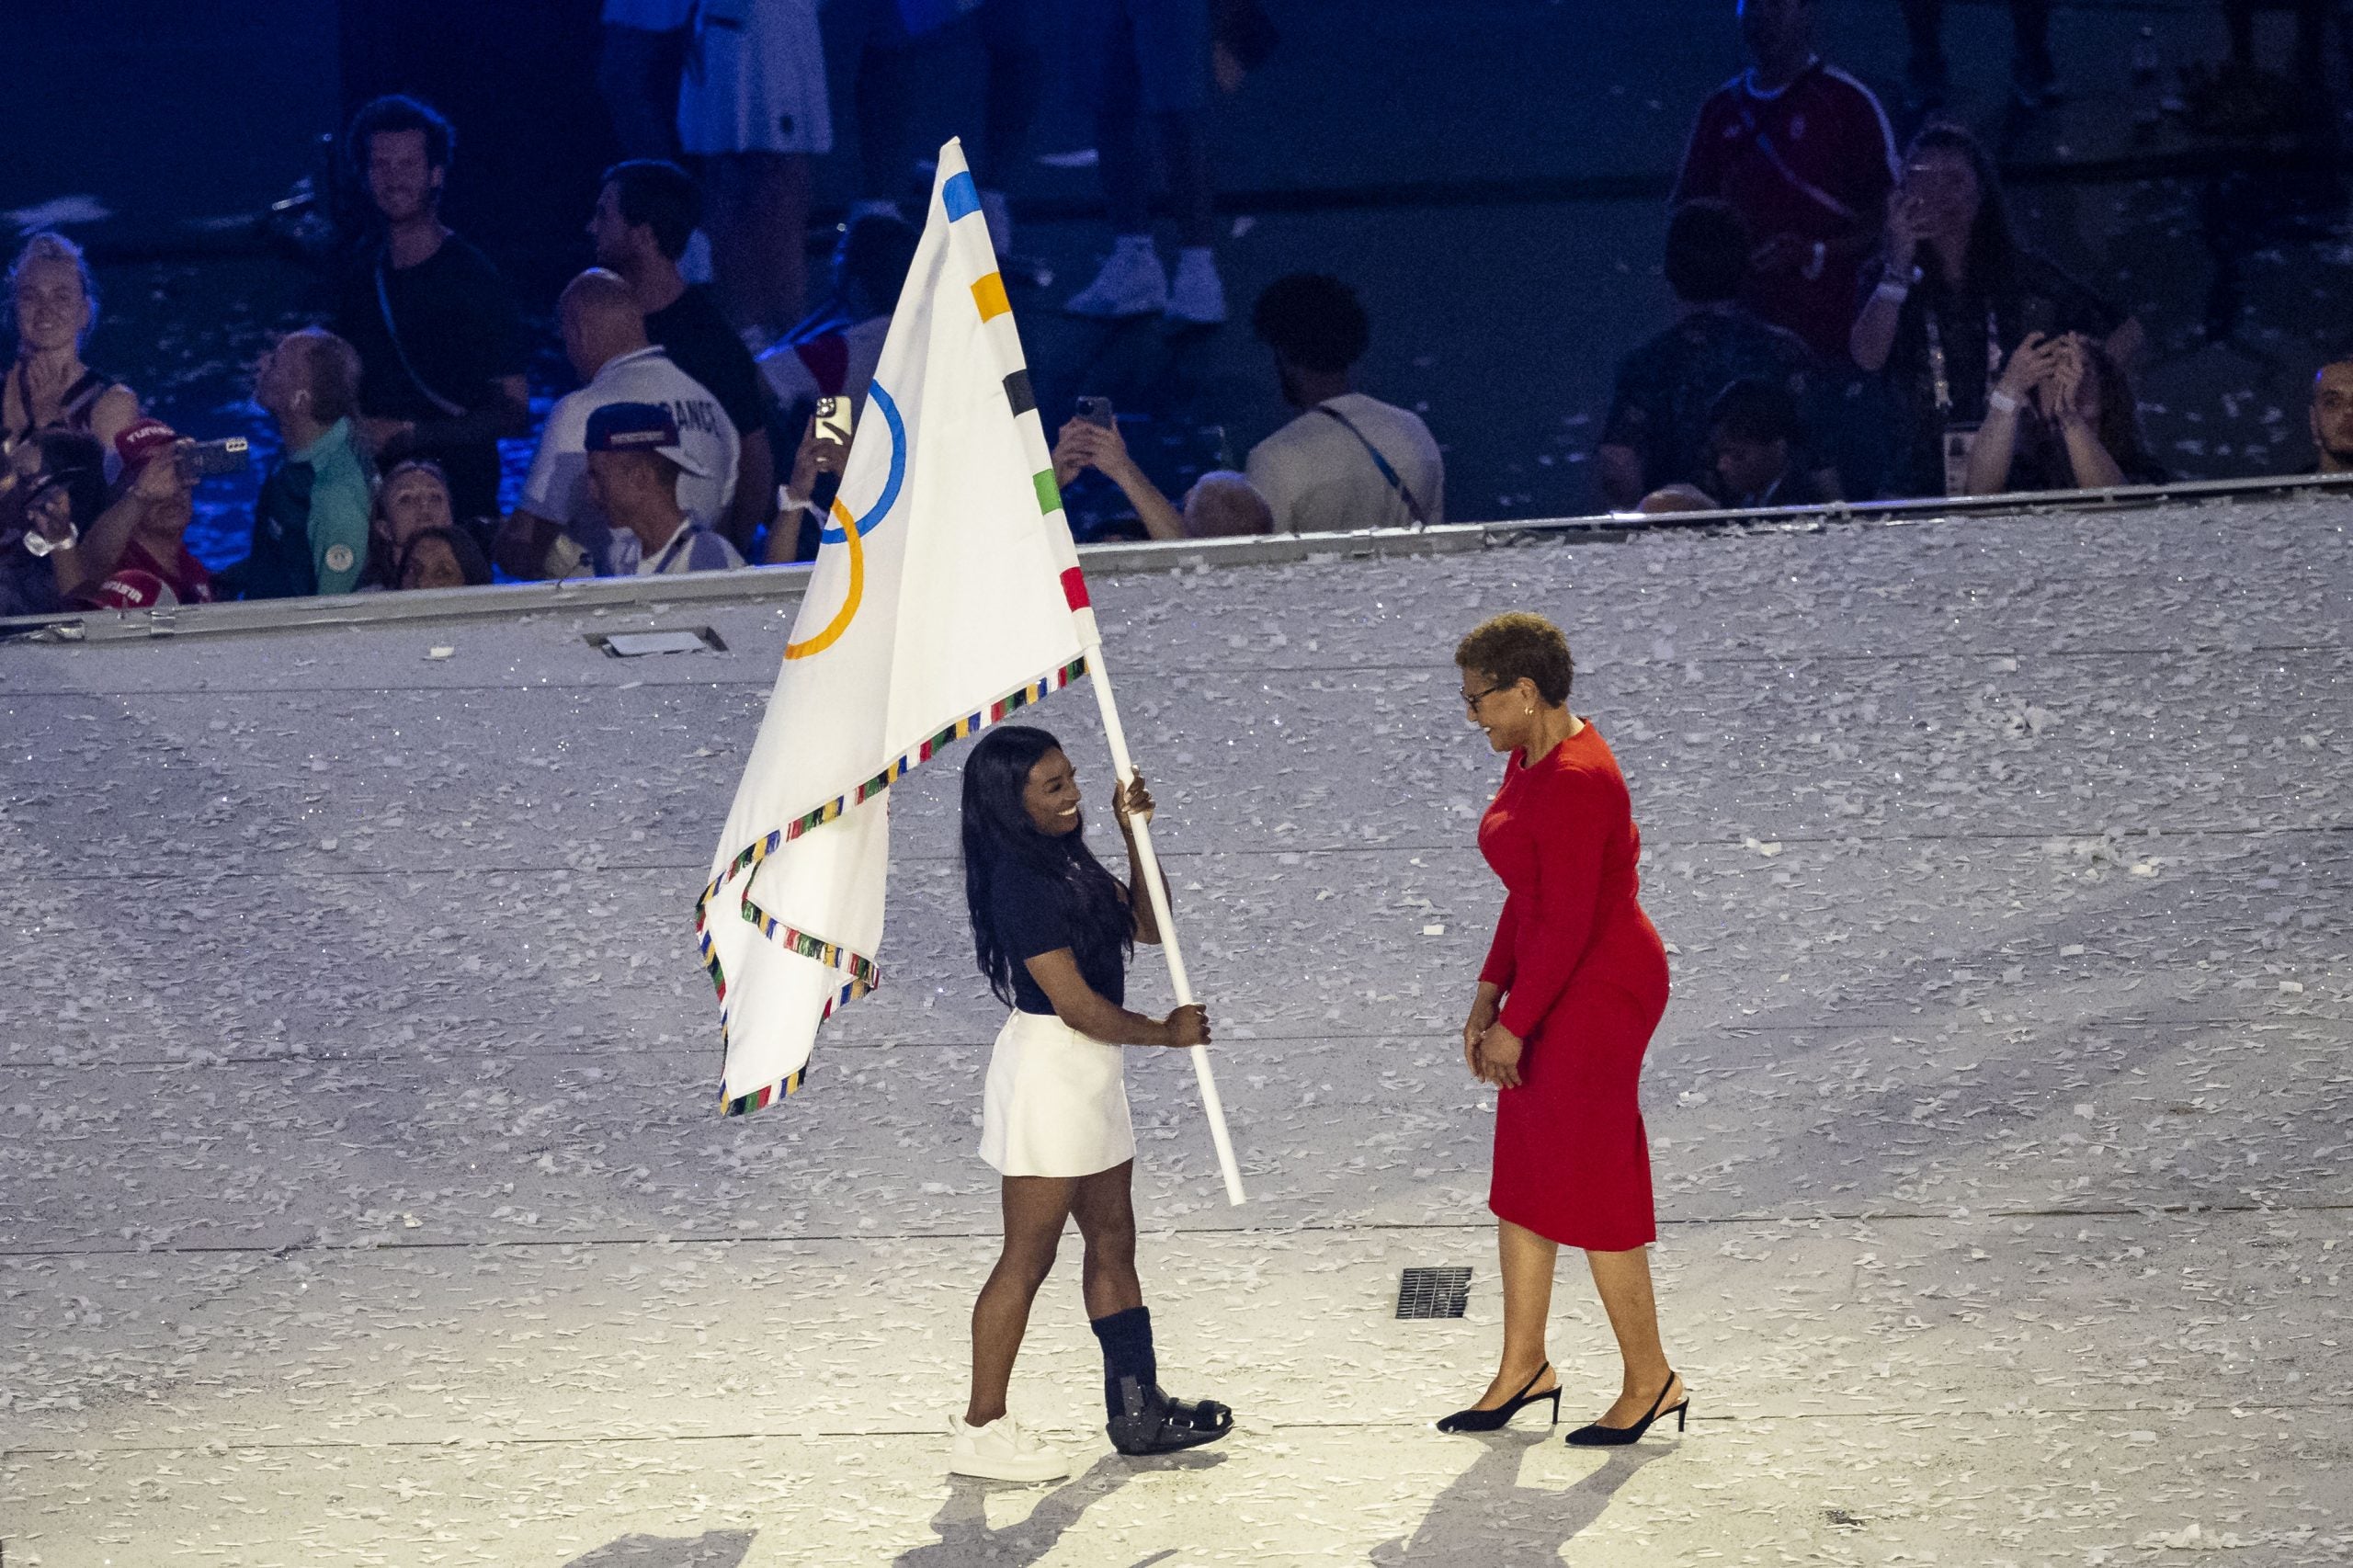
1053	930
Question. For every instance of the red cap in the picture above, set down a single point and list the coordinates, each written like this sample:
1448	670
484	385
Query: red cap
142	439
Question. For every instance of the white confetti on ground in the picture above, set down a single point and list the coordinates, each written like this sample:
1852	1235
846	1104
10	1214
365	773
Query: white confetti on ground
362	1201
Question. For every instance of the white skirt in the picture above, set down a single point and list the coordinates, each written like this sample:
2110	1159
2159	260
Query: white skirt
1056	1103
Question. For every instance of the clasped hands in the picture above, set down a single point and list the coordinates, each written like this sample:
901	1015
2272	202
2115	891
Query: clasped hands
1489	1050
2052	369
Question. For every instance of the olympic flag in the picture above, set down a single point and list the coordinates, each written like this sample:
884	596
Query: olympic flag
946	596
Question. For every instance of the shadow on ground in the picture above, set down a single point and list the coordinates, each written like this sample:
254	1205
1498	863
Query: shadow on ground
712	1549
1487	1519
962	1523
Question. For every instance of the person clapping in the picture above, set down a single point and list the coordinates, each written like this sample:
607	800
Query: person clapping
2061	418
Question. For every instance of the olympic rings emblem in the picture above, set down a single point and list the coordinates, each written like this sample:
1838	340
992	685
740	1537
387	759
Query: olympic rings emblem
845	529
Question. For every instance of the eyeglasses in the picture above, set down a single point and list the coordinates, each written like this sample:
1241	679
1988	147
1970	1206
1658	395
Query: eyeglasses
1471	700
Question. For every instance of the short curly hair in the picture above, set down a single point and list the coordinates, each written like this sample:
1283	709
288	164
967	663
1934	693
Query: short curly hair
1519	644
1313	319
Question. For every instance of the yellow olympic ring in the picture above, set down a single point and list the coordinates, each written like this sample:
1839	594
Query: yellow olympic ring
840	623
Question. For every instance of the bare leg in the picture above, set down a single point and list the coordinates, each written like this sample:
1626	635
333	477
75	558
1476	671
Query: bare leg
637	73
2239	16
758	223
2030	42
1007	36
1623	1279
1924	24
1104	1209
1035	1209
1184	150
1527	1261
1123	156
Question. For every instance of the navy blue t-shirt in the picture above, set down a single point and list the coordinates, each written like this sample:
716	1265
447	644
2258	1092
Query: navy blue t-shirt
1032	915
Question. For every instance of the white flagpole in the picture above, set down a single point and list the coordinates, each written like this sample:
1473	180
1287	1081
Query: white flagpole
1156	889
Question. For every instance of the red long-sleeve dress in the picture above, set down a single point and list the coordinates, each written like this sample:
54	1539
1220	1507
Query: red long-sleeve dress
1584	978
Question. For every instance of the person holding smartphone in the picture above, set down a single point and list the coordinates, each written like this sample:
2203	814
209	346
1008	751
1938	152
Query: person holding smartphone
134	554
1953	290
808	492
1221	505
2061	417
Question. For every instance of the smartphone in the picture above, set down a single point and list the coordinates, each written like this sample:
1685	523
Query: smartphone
2039	312
1096	411
204	460
833	419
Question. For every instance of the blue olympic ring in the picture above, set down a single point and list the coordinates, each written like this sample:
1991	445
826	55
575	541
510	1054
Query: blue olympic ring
832	533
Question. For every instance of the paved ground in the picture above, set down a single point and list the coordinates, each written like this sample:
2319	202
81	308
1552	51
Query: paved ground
362	1199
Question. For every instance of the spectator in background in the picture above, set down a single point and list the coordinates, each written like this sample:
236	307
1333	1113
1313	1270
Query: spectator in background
890	45
1756	435
440	558
311	518
1141	61
52	305
753	109
837	360
559	529
801	515
411	498
56	497
2061	417
645	214
1226	504
2331	417
1657	431
1221	505
1348	460
1803	152
134	555
644	52
1950	291
2034	80
440	348
635	460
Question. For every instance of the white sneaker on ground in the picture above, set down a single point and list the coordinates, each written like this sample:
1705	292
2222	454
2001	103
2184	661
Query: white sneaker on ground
1198	297
998	216
1131	284
1002	1452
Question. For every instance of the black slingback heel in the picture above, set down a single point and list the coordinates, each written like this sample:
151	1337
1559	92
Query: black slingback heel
1597	1435
1476	1420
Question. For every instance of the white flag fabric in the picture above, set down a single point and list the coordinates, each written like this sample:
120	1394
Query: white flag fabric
946	596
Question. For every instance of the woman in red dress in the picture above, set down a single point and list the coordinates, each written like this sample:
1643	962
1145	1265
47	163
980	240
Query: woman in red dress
1572	988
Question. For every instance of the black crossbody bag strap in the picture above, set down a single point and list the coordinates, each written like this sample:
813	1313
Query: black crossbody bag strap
1388	471
393	330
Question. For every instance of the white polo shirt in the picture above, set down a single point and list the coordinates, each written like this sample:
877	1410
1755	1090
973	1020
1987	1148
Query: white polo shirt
558	486
1318	478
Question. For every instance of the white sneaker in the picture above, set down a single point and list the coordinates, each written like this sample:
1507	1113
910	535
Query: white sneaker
999	215
1001	1451
1198	297
1131	284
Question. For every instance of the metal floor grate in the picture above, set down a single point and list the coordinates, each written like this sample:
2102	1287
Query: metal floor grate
1433	1292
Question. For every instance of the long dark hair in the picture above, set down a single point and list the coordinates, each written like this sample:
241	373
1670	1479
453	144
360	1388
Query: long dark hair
999	831
1993	242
